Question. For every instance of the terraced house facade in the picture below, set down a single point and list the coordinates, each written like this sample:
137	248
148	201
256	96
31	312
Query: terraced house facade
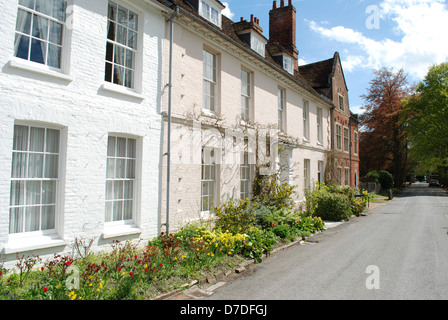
114	109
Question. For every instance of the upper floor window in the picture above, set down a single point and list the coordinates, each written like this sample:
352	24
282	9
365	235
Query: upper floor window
258	44
306	120
210	76
319	125
356	143
341	102
346	140
281	109
246	95
288	64
210	12
122	45
338	137
40	30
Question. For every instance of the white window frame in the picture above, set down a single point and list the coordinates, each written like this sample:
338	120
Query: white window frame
245	177
306	120
320	171
56	180
306	173
347	176
341	102
210	12
209	165
320	131
246	95
338	136
258	44
129	179
281	106
43	67
136	51
210	82
346	139
288	64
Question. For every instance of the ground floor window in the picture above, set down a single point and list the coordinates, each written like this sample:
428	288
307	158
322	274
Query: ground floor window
34	179
120	178
208	179
245	169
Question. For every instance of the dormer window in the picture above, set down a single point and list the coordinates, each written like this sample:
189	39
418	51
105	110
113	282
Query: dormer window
211	10
258	44
288	65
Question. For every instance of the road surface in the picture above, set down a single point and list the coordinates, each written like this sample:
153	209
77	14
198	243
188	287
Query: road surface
397	251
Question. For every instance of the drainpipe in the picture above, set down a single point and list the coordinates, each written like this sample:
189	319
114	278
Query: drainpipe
168	152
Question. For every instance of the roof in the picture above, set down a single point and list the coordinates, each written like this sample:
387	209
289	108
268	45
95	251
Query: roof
307	77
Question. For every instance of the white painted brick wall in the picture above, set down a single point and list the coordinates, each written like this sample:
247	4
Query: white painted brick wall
87	114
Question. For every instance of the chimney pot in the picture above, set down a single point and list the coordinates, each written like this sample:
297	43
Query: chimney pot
282	3
274	6
289	2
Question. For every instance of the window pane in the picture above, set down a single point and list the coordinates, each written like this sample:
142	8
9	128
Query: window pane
19	165
119	55
38	51
132	153
120	169
20	142
37	139
59	10
118	75
108	72
35	165
129	81
15	220
48	192
32	192
133	21
110	169
109	206
52	143
127	210
17	195
122	35
55	33
121	147
132	39
112	11
32	219
118	190
122	16
40	27
51	166
48	218
23	22
117	211
128	190
44	6
21	46
130	170
111	30
111	146
109	190
27	3
54	56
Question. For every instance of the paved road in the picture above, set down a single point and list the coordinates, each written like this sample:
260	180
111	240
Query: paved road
405	240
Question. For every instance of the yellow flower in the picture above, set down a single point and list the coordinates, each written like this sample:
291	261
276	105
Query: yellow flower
73	297
71	293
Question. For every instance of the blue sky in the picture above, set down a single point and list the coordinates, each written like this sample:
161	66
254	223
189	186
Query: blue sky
369	35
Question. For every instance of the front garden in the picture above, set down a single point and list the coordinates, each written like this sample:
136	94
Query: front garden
243	229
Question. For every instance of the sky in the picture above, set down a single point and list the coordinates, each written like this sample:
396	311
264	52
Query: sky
368	34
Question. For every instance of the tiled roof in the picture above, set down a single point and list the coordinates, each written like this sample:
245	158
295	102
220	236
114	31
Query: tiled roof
309	77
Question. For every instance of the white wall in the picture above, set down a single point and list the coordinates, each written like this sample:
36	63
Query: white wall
77	103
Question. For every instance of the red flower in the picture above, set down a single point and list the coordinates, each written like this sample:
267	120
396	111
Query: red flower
45	289
146	270
119	269
161	264
1	272
135	256
42	268
130	273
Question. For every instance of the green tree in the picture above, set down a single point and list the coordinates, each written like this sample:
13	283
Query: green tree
426	118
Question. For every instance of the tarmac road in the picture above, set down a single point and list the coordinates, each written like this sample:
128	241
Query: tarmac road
398	251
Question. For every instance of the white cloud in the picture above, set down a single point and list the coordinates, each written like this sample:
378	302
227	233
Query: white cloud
227	12
422	26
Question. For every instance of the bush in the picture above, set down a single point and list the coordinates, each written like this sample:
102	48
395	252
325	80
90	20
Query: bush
235	217
269	192
333	207
282	231
383	177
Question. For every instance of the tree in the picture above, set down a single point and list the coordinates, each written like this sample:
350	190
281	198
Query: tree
383	141
426	119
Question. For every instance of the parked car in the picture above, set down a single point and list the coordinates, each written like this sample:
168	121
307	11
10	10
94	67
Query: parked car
434	183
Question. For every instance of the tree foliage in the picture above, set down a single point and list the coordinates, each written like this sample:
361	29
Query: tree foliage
383	140
426	119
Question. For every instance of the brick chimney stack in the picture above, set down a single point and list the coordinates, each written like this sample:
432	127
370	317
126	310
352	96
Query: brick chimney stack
282	27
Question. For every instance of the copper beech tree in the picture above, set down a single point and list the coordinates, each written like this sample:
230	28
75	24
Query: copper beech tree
383	138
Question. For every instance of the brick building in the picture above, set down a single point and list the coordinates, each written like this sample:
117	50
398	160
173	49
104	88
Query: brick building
327	77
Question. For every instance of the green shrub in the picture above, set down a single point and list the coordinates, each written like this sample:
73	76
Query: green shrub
269	192
235	217
333	207
282	231
385	179
258	242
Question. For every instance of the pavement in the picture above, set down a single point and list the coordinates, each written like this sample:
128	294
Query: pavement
206	287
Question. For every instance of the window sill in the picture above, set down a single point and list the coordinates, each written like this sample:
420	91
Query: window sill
110	87
33	243
305	140
121	230
38	69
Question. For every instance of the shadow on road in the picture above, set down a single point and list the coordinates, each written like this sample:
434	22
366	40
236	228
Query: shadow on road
420	189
